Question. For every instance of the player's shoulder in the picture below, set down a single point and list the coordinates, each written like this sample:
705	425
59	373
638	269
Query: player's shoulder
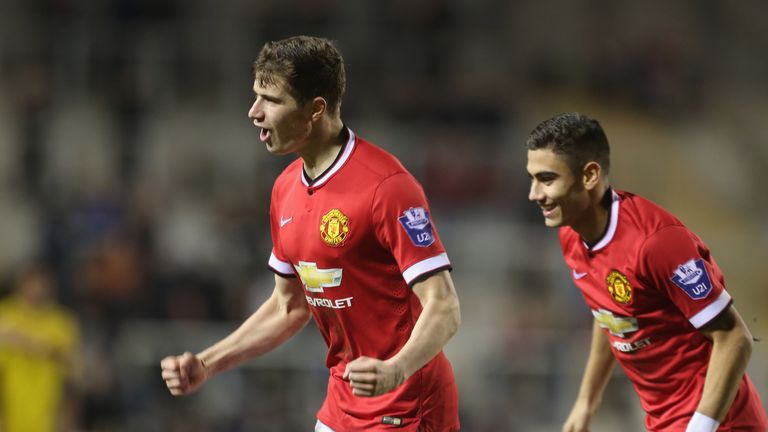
371	160
657	229
644	215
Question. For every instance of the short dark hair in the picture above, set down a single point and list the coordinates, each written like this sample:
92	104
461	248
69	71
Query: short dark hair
577	137
311	66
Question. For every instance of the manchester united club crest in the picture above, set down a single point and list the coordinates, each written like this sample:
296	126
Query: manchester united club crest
619	287
334	228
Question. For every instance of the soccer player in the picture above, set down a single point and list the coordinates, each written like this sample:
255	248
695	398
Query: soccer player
657	295
354	247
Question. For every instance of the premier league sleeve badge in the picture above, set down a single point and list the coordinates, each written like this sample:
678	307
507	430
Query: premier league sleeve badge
692	277
418	226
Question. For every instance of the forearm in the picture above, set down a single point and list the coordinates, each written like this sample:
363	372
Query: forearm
271	325
438	322
727	364
597	373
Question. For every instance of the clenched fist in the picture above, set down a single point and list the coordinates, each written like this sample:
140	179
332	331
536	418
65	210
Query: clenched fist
183	374
371	377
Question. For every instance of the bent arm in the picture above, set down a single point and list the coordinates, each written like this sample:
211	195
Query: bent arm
731	350
277	319
596	376
438	322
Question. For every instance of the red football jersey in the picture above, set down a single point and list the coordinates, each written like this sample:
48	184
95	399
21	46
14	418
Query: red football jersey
358	236
651	283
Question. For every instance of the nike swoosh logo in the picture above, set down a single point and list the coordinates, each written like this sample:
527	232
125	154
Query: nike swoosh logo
577	275
285	221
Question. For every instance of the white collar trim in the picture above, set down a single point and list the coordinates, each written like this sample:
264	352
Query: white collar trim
612	224
335	167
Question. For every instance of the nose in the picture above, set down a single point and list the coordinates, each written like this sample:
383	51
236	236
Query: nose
256	113
535	193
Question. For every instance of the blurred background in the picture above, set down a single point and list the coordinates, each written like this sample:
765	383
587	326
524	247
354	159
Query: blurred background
134	192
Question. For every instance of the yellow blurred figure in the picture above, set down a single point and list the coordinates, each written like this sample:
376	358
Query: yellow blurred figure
38	345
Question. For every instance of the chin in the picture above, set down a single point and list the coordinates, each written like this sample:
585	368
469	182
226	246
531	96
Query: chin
275	150
553	223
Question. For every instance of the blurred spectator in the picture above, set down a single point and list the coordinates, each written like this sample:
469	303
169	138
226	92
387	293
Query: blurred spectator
38	356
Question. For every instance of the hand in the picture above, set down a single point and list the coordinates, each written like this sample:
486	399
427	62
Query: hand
183	374
579	418
371	377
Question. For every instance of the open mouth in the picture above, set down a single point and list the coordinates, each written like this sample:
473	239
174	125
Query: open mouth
265	134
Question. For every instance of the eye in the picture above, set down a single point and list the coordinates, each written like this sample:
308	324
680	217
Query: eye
266	99
547	179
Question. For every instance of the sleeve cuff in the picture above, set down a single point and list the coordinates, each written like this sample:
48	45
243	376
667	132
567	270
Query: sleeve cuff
711	311
282	268
429	265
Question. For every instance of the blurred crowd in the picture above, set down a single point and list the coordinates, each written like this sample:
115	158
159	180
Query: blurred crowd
132	177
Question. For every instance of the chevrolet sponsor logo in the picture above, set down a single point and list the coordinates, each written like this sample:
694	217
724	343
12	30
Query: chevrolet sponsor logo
315	279
618	326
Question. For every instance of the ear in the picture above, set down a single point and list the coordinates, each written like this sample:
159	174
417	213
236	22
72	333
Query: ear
591	175
317	108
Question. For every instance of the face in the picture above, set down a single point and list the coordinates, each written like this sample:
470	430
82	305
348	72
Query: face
285	125
560	195
35	288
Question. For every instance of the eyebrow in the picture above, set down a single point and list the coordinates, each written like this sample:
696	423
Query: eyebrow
544	175
267	96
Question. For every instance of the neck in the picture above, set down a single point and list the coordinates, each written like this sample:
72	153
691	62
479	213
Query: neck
594	222
325	142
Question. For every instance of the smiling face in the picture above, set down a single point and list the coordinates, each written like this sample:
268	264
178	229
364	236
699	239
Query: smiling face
285	124
561	195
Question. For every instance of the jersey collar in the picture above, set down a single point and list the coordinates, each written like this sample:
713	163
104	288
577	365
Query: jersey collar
612	224
341	159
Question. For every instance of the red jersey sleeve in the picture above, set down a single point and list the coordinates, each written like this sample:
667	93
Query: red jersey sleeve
277	261
403	225
678	263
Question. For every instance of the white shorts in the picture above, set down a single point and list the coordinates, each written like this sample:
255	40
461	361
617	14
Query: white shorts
322	427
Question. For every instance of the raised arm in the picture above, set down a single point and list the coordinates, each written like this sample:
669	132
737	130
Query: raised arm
593	382
439	320
280	317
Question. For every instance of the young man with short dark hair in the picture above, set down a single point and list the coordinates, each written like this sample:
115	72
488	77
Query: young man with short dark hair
657	295
354	247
